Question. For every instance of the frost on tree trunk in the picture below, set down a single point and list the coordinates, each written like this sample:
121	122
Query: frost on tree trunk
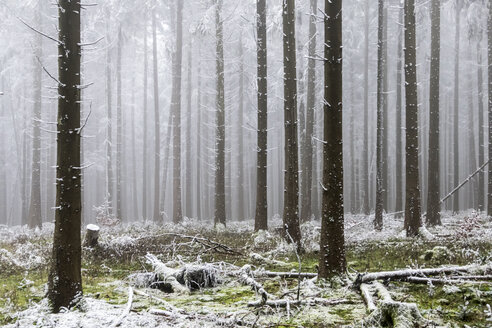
456	125
261	218
413	221
489	51
119	130
220	214
433	203
65	280
291	176
332	245
157	154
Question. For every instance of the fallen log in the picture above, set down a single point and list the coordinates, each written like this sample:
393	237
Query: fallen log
273	274
400	274
366	295
247	279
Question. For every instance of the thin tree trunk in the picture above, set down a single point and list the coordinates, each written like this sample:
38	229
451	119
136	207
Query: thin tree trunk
261	218
413	220
157	129
176	115
199	153
65	279
109	137
481	127
399	120
306	210
365	150
119	130
433	203
456	172
332	244
220	210
240	155
35	219
291	176
134	158
145	128
489	53
189	163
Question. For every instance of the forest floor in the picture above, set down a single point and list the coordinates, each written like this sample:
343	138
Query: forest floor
461	240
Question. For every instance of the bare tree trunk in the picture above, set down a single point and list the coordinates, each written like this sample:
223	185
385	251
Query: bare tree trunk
481	126
35	219
199	153
399	120
134	158
291	177
65	279
145	128
119	130
261	218
157	124
413	220
176	115
240	155
378	218
385	138
456	172
332	244
365	151
306	210
109	138
433	203
189	164
489	52
220	211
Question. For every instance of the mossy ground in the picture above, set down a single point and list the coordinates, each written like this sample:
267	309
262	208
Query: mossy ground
105	273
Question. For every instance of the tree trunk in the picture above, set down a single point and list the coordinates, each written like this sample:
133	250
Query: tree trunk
240	157
134	192
261	218
291	177
399	120
199	153
306	210
413	221
456	172
176	115
489	52
65	279
332	244
365	152
189	164
145	129
481	126
109	138
119	130
220	213
378	218
35	219
157	124
385	136
434	176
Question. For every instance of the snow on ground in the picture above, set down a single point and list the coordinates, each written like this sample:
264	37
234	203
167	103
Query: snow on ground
20	248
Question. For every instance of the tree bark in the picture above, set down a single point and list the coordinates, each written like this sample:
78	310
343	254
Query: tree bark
65	279
109	104
241	196
434	176
176	115
332	244
489	53
189	164
35	219
365	152
413	220
261	218
481	126
119	130
456	172
220	211
145	128
157	129
291	175
399	120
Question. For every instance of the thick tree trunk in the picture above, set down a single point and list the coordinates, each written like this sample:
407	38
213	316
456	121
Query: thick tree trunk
306	210
332	244
433	202
65	279
413	220
291	176
35	218
157	124
220	211
176	116
261	218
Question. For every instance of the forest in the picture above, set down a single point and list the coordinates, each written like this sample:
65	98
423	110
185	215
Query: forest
246	163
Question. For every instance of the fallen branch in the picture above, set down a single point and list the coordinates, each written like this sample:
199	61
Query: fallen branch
273	274
118	320
366	295
288	303
400	274
248	280
444	281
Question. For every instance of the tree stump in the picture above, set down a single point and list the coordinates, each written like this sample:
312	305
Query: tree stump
91	236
